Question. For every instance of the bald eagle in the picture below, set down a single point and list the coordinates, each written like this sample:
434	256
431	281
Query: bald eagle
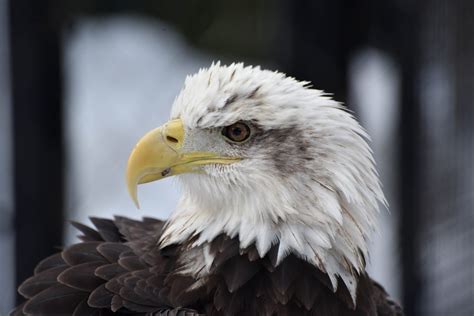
279	197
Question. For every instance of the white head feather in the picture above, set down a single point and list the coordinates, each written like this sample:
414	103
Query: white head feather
307	180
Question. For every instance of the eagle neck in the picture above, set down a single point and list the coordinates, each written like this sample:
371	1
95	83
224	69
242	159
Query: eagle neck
327	245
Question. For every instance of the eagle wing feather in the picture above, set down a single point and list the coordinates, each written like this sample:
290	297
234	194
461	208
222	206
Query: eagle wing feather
114	268
118	269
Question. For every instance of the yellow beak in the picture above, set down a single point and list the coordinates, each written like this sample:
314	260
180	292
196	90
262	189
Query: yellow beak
159	154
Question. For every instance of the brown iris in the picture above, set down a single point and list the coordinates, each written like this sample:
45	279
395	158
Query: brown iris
237	132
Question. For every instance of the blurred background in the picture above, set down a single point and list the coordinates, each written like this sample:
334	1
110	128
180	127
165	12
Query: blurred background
81	81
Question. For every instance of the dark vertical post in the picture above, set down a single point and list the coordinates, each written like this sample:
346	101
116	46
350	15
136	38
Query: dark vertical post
317	48
322	37
410	149
37	128
462	196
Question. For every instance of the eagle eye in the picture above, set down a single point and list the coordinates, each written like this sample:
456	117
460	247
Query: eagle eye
237	132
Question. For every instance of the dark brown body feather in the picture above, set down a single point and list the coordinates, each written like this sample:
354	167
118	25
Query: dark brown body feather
119	270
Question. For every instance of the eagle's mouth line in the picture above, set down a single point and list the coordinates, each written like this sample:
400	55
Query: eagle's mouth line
189	165
204	161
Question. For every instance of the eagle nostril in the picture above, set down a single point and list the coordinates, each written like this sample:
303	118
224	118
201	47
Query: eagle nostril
171	139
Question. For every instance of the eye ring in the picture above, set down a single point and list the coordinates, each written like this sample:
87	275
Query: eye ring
237	132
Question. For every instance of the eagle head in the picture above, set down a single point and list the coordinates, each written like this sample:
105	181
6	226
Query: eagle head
265	158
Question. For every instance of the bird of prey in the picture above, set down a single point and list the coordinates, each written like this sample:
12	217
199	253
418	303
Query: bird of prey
279	197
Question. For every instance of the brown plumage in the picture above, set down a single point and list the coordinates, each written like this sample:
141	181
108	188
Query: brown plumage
118	269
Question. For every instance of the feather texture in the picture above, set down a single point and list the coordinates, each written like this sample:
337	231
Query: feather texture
99	276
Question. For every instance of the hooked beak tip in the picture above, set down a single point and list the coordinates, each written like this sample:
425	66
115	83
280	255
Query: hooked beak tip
132	190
